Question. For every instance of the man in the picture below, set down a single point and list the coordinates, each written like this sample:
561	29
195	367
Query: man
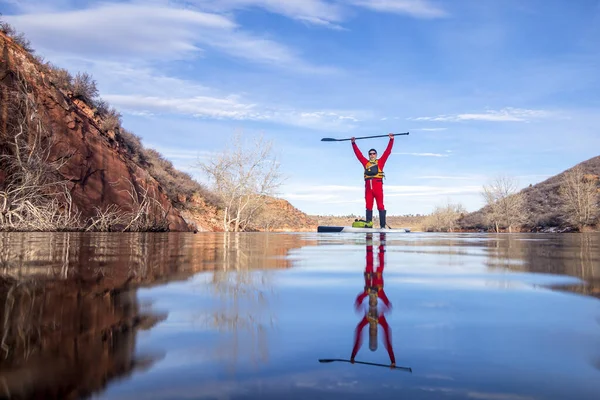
374	179
374	316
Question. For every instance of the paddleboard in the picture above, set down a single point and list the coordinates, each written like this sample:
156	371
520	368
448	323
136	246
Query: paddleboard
360	230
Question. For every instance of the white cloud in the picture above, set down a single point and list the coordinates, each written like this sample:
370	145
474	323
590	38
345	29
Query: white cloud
316	12
152	32
508	114
325	13
120	29
231	107
200	106
414	8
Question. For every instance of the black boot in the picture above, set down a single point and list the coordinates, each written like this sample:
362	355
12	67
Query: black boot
382	218
369	219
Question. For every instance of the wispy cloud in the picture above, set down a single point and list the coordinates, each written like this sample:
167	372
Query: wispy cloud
153	32
316	12
508	114
232	107
414	8
200	106
430	129
328	14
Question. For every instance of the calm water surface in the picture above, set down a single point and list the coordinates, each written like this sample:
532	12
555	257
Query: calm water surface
261	316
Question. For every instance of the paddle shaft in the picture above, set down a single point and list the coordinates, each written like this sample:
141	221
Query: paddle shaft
362	137
366	363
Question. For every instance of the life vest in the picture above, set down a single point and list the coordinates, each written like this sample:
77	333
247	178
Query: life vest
372	171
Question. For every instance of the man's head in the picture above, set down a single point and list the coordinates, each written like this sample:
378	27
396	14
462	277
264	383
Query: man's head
372	154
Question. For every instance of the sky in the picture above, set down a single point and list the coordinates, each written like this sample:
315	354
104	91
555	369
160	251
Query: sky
484	88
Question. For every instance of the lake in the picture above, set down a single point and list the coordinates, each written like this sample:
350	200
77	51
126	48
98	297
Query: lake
270	315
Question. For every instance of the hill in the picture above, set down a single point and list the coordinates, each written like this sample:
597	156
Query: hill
542	202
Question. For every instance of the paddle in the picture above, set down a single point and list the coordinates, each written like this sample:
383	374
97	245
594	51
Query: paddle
321	360
363	137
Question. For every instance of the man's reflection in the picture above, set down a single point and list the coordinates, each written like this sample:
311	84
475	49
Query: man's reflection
374	314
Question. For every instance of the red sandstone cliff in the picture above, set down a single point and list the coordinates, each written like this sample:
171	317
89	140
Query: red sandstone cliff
98	167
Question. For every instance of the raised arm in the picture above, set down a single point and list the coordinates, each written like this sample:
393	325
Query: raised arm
387	339
386	152
358	337
358	153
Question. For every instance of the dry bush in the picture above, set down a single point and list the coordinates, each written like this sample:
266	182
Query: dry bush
7	28
84	87
106	220
133	144
147	214
102	107
111	120
444	218
579	198
176	183
34	196
22	41
505	206
18	37
62	79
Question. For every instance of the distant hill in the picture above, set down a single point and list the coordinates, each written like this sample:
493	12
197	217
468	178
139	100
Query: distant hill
542	200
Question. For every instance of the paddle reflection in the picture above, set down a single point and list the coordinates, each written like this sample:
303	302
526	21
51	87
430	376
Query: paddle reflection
374	311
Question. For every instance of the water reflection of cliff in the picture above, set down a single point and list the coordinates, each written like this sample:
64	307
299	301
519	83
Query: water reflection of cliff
70	310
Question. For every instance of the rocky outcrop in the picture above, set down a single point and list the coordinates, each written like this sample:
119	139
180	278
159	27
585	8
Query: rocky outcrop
98	167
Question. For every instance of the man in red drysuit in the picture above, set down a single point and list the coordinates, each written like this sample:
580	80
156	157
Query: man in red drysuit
373	316
374	179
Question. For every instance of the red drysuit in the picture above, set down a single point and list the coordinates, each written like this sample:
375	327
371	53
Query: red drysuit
374	316
374	186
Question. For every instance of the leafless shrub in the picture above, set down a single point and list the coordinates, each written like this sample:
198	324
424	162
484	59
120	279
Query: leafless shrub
7	28
111	120
579	194
62	79
34	196
102	106
84	87
133	144
22	41
243	178
444	218
18	37
107	220
505	205
147	213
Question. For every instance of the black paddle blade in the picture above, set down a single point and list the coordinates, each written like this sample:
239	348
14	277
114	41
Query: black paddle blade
325	361
328	139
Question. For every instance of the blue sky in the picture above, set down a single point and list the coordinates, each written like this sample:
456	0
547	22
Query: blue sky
484	87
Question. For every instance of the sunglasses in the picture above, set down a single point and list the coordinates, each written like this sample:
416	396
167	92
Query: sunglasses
372	154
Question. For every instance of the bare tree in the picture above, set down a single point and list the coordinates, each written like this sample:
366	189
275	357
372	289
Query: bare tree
445	218
505	204
243	176
579	195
